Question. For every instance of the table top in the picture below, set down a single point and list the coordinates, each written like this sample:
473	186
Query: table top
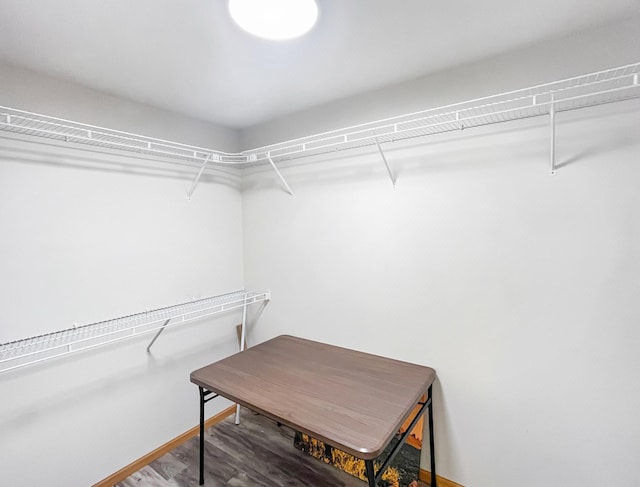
350	400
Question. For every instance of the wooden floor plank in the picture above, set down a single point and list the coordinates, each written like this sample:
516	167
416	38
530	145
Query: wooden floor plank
279	462
168	466
255	453
146	476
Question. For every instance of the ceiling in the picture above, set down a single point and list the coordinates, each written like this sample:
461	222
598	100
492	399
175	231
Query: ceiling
187	56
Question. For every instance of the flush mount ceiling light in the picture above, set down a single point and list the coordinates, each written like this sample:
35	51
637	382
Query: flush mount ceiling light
276	20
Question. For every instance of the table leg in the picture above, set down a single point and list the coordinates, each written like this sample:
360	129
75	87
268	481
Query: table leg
201	435
370	473
432	450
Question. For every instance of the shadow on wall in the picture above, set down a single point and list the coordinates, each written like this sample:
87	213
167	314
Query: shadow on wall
520	140
85	389
412	156
107	161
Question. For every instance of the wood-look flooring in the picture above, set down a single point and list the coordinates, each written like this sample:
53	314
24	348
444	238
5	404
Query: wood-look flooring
255	453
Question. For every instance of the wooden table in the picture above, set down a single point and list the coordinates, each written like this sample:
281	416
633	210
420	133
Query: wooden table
351	400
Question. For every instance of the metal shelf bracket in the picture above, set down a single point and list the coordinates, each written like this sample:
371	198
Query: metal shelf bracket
587	90
386	164
32	350
243	341
155	337
275	168
197	179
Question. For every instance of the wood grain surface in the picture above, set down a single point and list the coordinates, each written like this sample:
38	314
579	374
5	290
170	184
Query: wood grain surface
348	399
255	453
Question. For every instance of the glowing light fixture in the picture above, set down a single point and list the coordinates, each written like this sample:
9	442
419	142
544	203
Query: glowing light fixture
276	20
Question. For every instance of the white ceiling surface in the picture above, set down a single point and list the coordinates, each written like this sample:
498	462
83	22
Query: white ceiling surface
187	56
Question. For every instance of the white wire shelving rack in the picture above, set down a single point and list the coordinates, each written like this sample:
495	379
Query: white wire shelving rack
592	89
28	351
607	86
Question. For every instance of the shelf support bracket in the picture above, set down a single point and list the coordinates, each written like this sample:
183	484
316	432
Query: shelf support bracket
243	341
552	138
386	164
197	179
275	168
155	337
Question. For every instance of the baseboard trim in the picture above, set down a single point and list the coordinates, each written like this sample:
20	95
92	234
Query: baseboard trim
123	473
425	476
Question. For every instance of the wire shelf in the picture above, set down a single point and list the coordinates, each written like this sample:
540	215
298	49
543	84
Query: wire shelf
607	86
36	349
28	123
592	89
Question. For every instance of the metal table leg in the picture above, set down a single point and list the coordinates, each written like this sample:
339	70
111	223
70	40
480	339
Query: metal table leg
205	396
432	449
374	478
201	435
370	475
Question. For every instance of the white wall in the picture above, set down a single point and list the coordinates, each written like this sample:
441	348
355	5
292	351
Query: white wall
87	236
25	90
584	52
518	287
